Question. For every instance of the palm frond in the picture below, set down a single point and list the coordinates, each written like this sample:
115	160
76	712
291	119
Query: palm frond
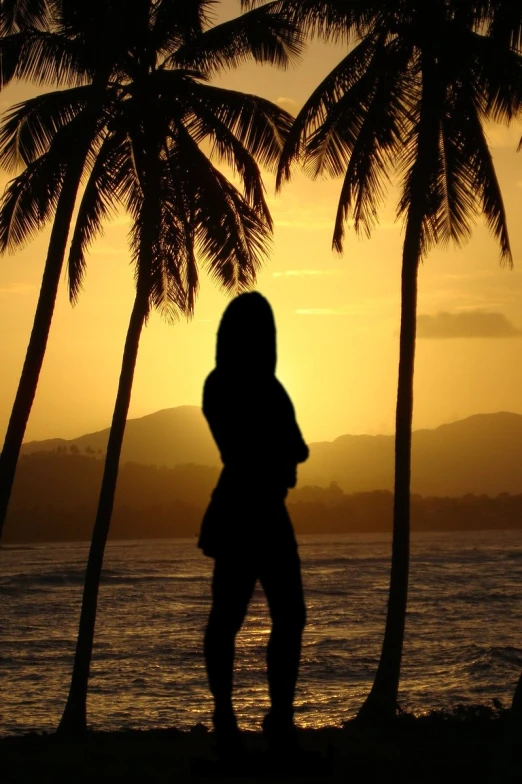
174	25
29	201
497	76
234	249
179	212
263	34
103	191
41	57
243	129
229	234
468	180
374	142
329	146
506	24
322	101
333	20
29	128
420	162
174	256
486	185
20	14
159	249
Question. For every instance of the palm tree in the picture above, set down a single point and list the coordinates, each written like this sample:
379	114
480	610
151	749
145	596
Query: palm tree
151	158
75	42
506	28
410	100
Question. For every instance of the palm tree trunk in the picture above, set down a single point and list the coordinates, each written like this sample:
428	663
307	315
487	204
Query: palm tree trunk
382	700
74	719
45	308
39	335
516	705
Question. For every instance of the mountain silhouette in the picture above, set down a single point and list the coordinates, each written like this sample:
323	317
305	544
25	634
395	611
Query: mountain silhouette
171	437
480	454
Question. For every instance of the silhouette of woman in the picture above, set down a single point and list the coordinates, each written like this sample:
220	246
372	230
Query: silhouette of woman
246	527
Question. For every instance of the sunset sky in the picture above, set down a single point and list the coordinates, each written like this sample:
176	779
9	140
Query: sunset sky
337	317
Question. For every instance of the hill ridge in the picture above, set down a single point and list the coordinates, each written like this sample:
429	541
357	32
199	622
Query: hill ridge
481	453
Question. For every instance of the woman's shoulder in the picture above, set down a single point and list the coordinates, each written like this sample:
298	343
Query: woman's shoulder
213	388
282	395
219	390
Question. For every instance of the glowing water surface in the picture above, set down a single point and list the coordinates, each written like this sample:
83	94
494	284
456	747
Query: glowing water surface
463	638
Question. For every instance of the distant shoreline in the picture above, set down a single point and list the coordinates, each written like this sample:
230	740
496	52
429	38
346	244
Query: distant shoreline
15	545
55	495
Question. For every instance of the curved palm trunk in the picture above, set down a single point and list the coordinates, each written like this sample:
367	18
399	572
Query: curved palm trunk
382	700
39	335
516	705
74	719
45	308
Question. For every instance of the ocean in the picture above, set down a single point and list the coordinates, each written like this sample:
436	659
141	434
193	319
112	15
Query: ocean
463	641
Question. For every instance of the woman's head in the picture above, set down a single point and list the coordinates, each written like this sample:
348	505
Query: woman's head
246	338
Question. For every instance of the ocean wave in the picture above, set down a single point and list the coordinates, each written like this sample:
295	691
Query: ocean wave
462	631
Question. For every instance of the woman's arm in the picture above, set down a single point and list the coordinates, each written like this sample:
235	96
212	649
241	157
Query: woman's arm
253	425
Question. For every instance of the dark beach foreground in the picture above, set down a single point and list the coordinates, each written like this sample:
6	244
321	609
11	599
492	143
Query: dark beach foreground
466	745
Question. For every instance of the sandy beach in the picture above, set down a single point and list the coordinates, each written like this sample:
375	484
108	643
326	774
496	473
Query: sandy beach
471	745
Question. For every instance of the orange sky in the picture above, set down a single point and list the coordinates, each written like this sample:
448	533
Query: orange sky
337	317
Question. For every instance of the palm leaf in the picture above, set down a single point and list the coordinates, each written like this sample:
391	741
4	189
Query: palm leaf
41	57
374	142
19	14
264	34
230	235
334	20
259	125
497	73
485	183
103	191
29	201
322	101
506	24
420	163
174	25
29	128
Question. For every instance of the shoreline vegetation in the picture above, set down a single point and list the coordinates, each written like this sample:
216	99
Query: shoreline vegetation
55	492
465	744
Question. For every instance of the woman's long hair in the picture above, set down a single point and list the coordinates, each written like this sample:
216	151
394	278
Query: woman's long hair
246	338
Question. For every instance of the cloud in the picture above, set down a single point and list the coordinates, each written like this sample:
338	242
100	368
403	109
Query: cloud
320	312
304	273
471	324
504	136
288	104
102	249
17	288
303	223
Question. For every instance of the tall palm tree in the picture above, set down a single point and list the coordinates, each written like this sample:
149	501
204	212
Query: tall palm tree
409	100
152	159
80	42
505	26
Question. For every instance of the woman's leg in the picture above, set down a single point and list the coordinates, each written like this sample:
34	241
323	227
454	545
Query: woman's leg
280	576
232	586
